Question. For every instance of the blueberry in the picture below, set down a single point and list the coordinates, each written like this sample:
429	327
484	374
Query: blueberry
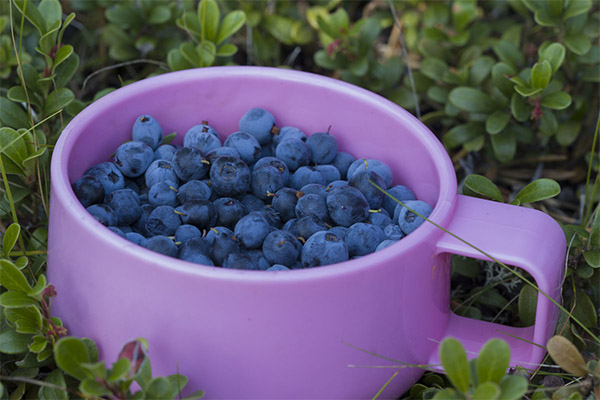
164	152
197	250
363	238
125	228
314	188
305	175
229	211
362	181
308	226
312	204
347	206
291	226
266	150
109	176
400	193
277	267
382	169
323	147
193	190
189	164
163	245
117	231
241	260
246	145
133	184
323	248
133	158
146	129
136	238
407	220
386	243
126	204
252	203
221	152
293	152
162	221
379	217
200	138
224	243
393	231
258	122
139	226
288	132
281	247
335	184
103	214
229	176
163	194
200	213
158	171
186	232
266	180
89	190
342	161
340	231
251	230
284	202
271	215
329	172
275	163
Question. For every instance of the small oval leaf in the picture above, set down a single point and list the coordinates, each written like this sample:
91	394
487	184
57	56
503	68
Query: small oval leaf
566	355
480	186
10	237
537	190
12	278
70	353
527	305
492	361
454	360
471	100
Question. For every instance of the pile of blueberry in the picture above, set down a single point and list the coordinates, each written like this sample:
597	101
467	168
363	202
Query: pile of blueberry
266	198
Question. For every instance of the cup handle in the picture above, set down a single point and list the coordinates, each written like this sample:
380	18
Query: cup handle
520	237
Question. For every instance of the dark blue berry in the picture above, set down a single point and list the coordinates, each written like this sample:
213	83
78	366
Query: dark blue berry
193	190
323	248
133	158
246	145
288	132
186	232
189	164
329	172
308	226
393	231
109	176
229	177
281	247
162	221
229	211
362	181
347	206
221	152
277	267
200	213
305	175
163	245
293	152
382	169
126	204
136	238
116	230
200	138
407	220
103	214
251	230
400	193
158	171
323	147
312	204
146	129
379	217
224	243
197	250
363	238
163	194
164	152
266	180
89	190
386	243
258	122
342	161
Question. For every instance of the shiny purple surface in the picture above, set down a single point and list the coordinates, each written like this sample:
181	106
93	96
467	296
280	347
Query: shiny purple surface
285	334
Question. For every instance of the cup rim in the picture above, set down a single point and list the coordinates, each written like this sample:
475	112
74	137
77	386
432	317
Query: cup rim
61	190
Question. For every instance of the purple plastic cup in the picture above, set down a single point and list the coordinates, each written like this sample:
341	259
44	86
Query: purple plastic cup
311	333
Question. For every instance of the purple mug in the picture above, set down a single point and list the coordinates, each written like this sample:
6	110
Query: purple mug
298	333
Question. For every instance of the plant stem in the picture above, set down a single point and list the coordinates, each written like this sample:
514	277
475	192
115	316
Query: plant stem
588	202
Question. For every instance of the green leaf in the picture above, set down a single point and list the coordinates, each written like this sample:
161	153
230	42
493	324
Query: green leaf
17	94
545	18
462	133
38	344
13	115
487	391
226	50
585	311
567	132
12	342
56	378
527	305
493	361
90	346
232	22
124	15
207	53
554	54
556	100
508	53
10	237
280	27
500	74
540	74
32	14
301	33
160	14
496	122
447	394
62	54
537	190
454	360
519	108
433	68
339	20
16	299
119	369
209	16
471	100
480	186
359	67
438	93
91	387
65	70
527	91
592	257
177	383
159	388
481	69
578	43
50	10
12	278
513	387
58	99
577	7
504	145
566	355
177	61
70	353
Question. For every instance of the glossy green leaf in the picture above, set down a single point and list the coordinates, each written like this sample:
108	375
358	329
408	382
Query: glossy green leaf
12	114
504	145
177	383
527	305
160	14
32	14
301	33
493	361
159	388
481	69
177	61
565	354
12	278
538	190
447	394
480	186
10	237
44	355
13	298
124	15
226	50
556	100
554	54
462	133
513	387
577	7
438	93
12	342
359	67
56	378
585	311
62	54
232	22
578	43
471	100
207	53
545	18
91	387
209	16
69	354
567	132
89	344
280	27
487	391
508	53
527	91
433	68
540	74
592	257
189	52
38	344
119	369
50	10
65	70
454	360
26	319
496	122
548	122
500	75
57	100
519	108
